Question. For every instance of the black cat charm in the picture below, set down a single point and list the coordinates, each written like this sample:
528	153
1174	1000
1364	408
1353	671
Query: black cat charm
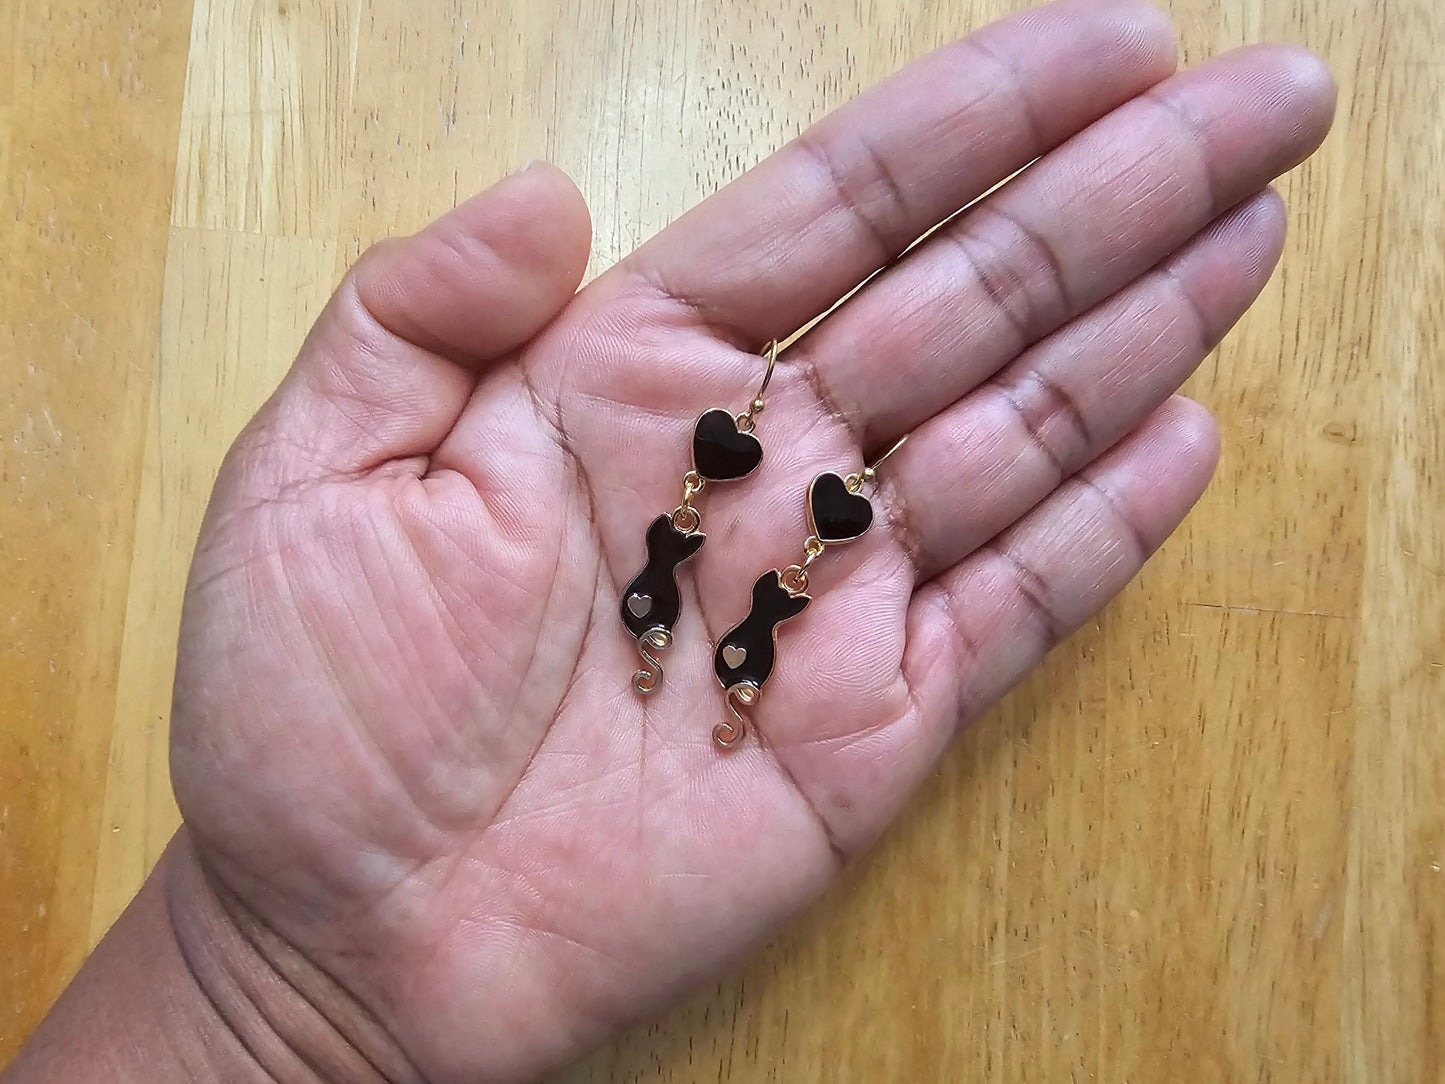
745	655
651	603
651	600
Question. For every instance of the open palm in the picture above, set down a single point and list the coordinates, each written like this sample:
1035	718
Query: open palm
406	739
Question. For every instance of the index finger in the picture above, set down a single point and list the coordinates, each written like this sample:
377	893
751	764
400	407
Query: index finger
787	239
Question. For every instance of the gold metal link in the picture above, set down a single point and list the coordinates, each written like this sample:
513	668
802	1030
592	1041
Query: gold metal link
685	517
794	579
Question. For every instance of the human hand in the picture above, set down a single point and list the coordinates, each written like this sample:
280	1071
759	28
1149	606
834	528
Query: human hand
405	742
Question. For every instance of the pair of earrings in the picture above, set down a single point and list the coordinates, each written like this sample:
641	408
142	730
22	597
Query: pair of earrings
725	448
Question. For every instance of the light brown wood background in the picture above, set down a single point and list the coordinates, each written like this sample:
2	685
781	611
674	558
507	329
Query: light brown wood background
1204	841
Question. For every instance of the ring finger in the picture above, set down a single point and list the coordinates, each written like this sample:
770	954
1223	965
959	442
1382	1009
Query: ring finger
974	469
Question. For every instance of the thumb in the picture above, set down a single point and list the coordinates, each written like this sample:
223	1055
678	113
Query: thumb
393	358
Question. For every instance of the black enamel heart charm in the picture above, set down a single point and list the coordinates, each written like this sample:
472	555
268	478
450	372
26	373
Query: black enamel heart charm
834	513
720	451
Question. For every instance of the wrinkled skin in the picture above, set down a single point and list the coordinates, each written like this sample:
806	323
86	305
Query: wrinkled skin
405	734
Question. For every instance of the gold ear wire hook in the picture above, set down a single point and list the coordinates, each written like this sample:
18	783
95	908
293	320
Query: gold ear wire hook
745	419
872	468
855	482
772	351
727	733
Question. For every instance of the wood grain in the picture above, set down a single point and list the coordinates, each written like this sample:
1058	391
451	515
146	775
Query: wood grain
1205	840
90	101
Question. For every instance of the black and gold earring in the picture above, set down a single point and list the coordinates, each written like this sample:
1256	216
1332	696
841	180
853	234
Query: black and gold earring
724	448
837	513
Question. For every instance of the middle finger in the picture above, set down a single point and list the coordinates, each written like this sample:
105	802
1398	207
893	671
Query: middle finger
1079	225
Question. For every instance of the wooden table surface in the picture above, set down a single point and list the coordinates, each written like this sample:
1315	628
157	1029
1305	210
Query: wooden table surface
1205	841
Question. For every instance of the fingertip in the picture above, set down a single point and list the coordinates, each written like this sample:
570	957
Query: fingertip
535	220
1288	81
1260	224
1147	31
1193	434
1311	85
1311	75
1228	263
557	215
488	274
1267	208
1157	473
1254	231
1126	35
